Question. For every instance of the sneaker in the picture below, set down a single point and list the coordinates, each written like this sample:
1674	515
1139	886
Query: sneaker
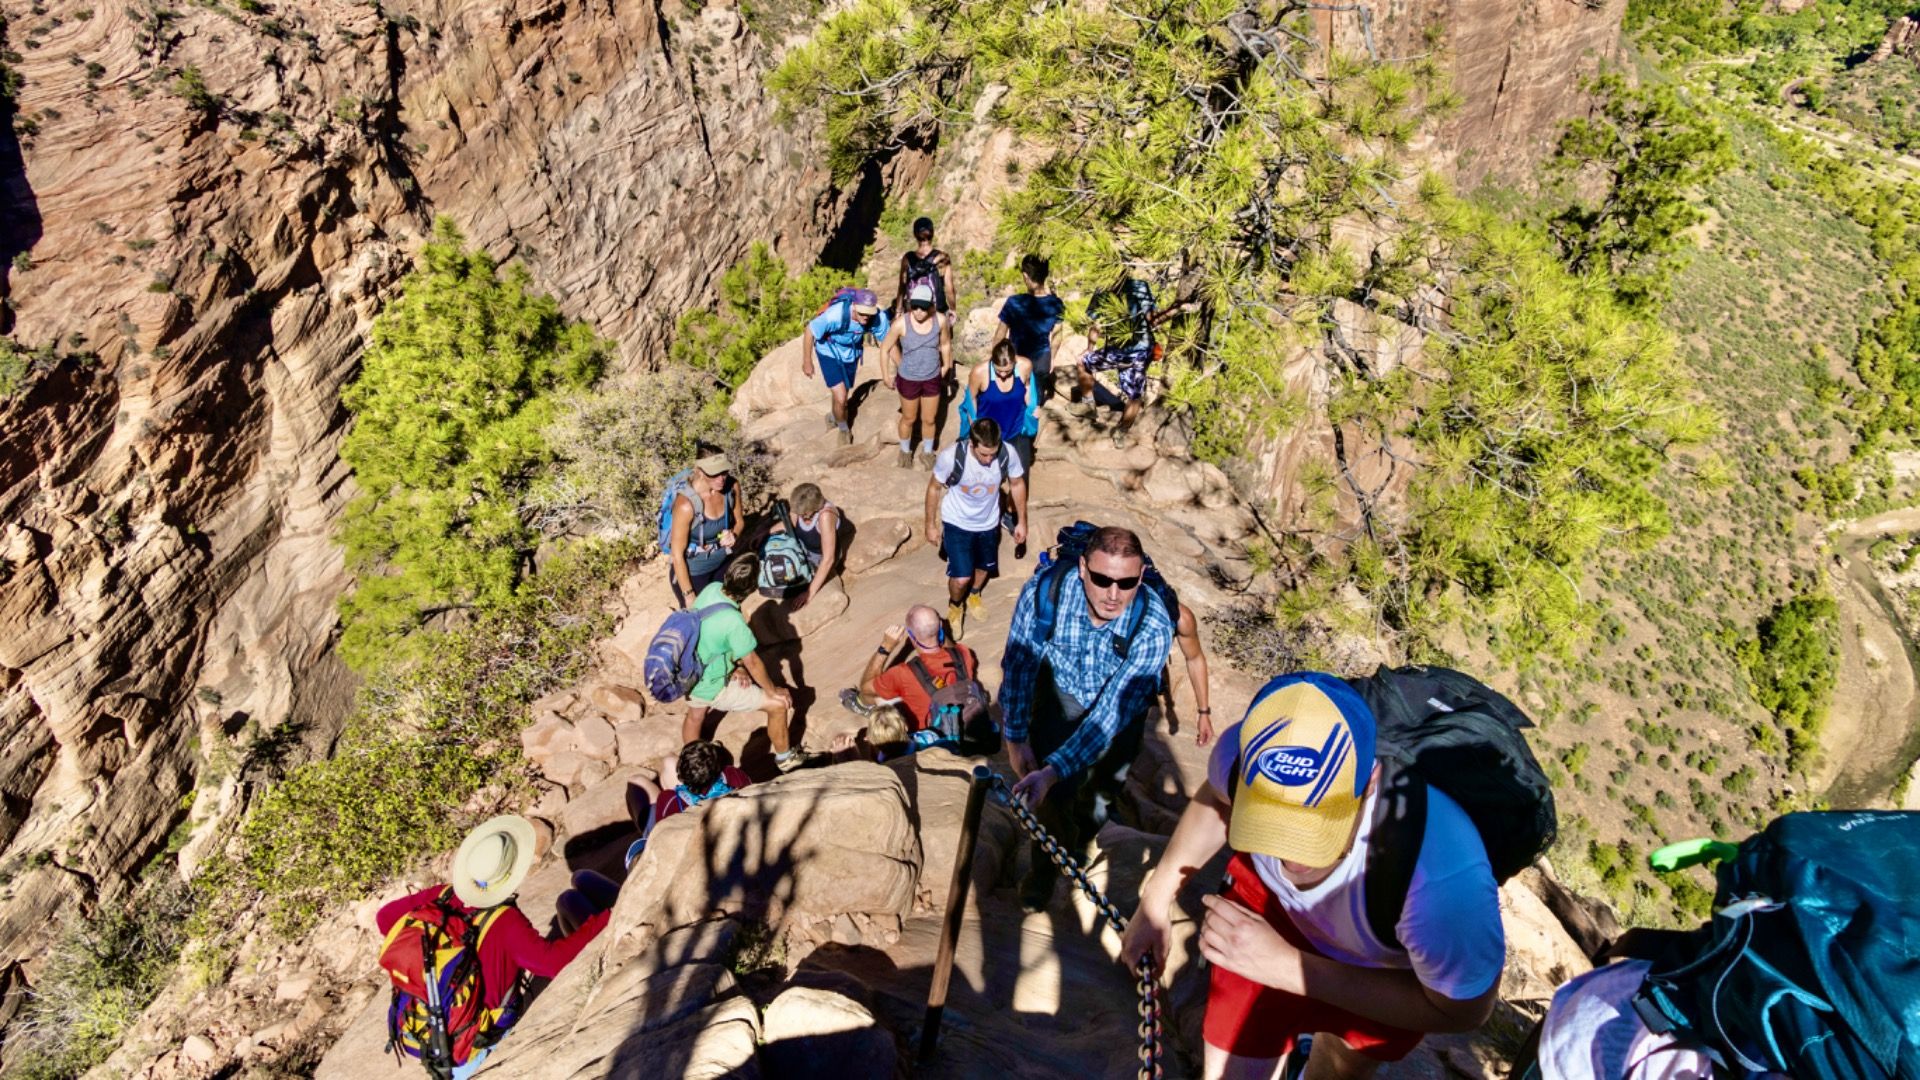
1122	439
790	760
851	699
846	436
924	459
954	620
832	421
906	459
976	607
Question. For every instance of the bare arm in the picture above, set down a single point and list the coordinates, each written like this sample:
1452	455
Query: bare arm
946	349
757	668
829	526
900	290
890	351
1391	996
677	540
946	275
736	523
877	663
1187	634
1017	488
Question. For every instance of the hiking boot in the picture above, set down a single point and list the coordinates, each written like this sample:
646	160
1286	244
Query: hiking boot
791	760
1122	439
924	459
846	436
906	459
976	606
954	620
851	699
832	421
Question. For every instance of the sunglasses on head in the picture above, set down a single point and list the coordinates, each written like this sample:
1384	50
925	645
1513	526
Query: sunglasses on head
1102	581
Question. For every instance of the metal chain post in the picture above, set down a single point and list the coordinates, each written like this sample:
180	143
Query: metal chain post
1149	1029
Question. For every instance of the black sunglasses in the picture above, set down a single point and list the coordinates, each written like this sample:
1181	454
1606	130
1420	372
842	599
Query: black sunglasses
1102	581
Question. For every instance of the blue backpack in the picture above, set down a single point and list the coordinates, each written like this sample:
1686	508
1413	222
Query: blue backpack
680	484
1068	545
784	565
672	665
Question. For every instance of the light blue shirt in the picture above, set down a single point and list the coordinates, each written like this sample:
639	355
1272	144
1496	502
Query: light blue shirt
838	336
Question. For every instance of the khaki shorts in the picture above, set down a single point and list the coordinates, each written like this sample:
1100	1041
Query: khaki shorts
734	697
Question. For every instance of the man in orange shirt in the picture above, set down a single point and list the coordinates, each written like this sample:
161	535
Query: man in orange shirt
933	656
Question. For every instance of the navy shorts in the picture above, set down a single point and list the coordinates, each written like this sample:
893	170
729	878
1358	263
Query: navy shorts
970	551
835	372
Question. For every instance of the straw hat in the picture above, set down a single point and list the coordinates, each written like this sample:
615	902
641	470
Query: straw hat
493	860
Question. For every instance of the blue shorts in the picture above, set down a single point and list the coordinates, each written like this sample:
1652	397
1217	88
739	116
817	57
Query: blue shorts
970	551
836	372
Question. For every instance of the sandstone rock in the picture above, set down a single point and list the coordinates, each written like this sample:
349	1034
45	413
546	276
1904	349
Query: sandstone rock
818	841
777	384
592	772
877	541
829	604
566	767
621	704
293	988
593	736
631	743
601	807
197	1049
546	737
810	1032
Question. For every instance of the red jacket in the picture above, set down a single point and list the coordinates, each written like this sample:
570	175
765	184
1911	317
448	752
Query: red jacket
512	945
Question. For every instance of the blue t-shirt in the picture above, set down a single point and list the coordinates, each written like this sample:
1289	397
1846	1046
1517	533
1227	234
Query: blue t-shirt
1450	931
1030	320
843	343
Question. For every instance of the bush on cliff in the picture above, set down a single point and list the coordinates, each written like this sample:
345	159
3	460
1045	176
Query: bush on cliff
761	306
618	445
449	409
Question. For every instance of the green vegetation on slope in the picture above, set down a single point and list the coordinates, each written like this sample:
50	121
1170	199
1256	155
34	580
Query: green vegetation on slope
449	410
761	306
1189	148
1791	663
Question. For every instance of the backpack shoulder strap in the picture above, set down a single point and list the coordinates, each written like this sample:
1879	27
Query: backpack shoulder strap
1393	849
1000	460
960	451
958	658
1048	599
781	509
921	673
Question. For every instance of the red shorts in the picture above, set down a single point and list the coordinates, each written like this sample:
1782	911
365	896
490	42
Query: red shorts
1257	1021
917	388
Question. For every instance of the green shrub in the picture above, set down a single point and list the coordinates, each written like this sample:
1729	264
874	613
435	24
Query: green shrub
449	412
191	87
761	306
98	976
618	446
1791	663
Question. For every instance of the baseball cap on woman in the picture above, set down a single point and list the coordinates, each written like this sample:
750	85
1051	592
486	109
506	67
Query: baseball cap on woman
1306	754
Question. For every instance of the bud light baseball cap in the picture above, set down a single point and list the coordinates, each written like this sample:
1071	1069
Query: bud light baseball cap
1306	753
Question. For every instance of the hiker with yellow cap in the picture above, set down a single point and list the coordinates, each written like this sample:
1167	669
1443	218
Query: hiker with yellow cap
1294	788
456	953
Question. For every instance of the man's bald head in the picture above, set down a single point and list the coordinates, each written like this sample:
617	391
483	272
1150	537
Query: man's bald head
924	624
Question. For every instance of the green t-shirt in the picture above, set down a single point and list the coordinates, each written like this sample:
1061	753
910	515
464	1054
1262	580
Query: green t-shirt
725	640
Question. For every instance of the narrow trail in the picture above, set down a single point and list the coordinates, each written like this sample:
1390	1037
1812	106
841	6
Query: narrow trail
1872	733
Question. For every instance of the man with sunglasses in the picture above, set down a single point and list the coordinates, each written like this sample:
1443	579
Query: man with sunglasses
1082	666
935	654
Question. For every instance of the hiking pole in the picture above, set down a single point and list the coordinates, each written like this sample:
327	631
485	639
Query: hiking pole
956	909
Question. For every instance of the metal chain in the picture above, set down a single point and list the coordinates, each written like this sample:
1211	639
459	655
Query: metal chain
1149	1029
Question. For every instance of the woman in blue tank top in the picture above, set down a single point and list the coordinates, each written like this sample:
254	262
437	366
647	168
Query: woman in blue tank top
1001	390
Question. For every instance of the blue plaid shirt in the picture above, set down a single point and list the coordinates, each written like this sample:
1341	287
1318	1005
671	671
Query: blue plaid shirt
1086	667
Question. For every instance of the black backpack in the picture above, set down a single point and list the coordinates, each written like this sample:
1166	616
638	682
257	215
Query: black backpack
964	450
926	271
1440	728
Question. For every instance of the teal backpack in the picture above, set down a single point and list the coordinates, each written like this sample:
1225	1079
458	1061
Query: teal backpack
1811	965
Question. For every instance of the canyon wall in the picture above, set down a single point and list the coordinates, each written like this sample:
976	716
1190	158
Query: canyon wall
212	205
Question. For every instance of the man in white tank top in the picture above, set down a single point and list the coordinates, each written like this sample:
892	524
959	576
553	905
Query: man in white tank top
1291	788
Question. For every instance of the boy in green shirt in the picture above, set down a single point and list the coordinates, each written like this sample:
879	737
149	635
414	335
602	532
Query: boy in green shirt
735	679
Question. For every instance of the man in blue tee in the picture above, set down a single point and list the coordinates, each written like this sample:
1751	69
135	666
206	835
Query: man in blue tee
1033	321
836	337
